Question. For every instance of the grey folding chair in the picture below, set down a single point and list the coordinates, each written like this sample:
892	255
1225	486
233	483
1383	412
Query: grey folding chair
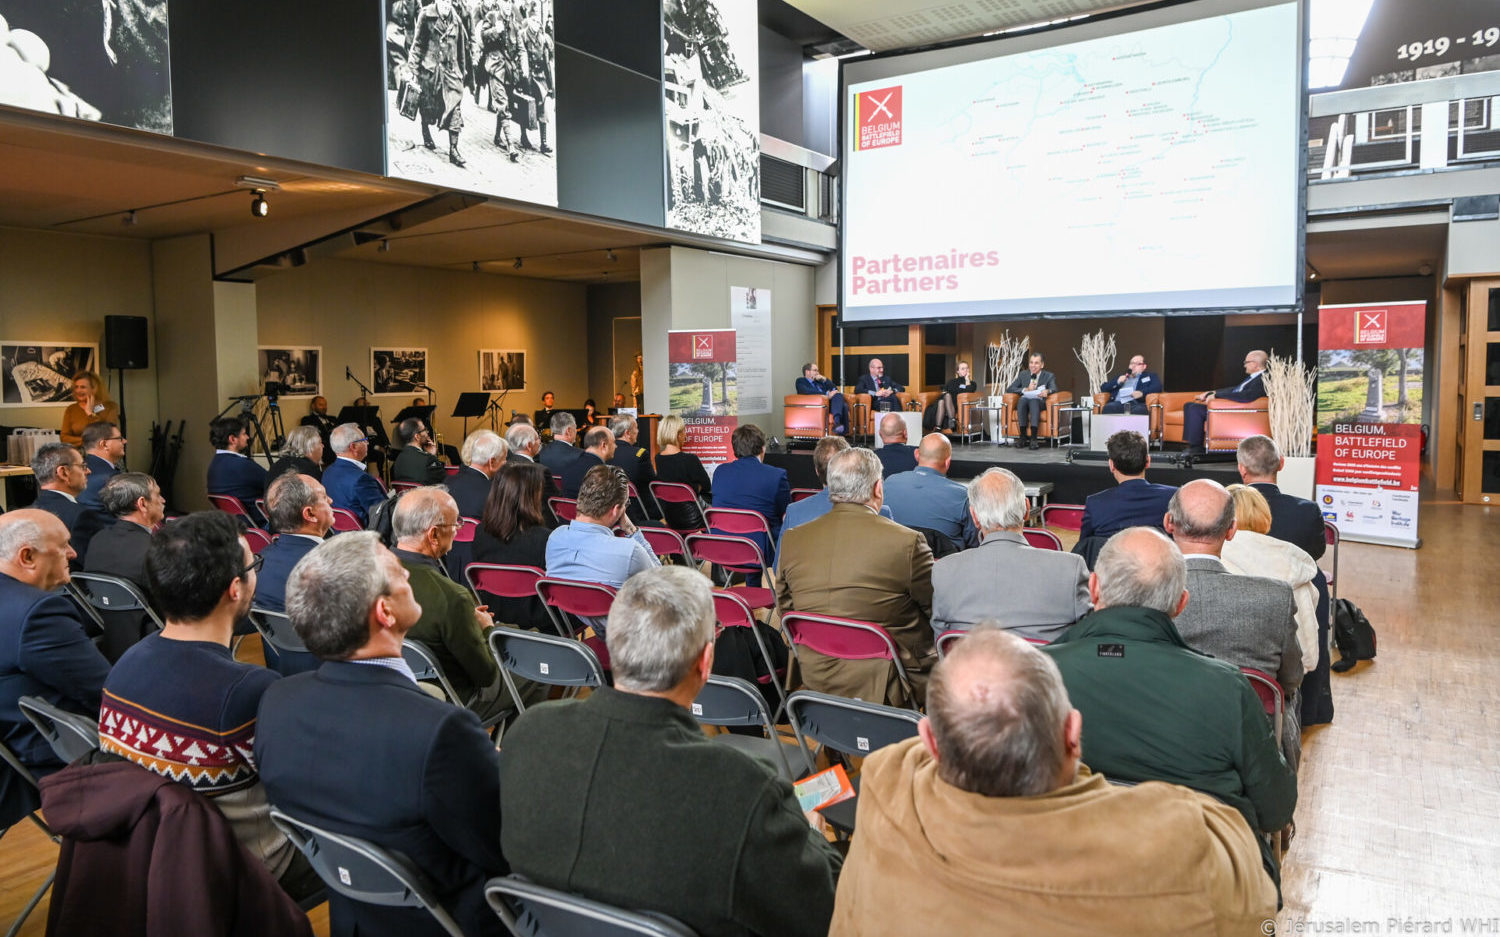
848	726
276	630
119	606
362	871
424	665
543	658
529	910
71	736
730	701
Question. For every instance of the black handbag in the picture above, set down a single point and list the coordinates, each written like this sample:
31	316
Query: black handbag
1353	635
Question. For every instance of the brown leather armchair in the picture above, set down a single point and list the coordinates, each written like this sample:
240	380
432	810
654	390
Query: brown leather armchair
1154	411
1050	425
1171	416
1230	421
806	416
968	423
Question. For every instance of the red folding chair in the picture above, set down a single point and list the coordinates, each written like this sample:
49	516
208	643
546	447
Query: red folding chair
566	509
737	555
1063	516
265	512
467	526
635	497
666	542
799	493
507	582
1041	539
229	504
732	611
452	470
738	521
847	639
257	538
405	486
568	599
677	493
1269	692
344	519
1331	537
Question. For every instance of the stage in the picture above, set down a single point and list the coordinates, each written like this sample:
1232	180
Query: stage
1071	483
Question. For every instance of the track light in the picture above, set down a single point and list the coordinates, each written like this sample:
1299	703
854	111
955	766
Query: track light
130	219
385	246
259	207
1312	272
517	264
610	256
258	183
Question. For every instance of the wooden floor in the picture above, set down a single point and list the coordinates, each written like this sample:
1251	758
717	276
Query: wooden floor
1398	821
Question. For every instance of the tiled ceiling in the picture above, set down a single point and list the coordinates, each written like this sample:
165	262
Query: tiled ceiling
883	25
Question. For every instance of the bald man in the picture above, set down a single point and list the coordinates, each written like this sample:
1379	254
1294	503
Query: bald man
1195	413
895	455
925	498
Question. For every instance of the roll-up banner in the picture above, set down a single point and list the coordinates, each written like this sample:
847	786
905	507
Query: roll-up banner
702	387
1369	419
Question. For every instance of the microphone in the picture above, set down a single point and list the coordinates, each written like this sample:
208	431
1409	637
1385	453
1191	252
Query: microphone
348	375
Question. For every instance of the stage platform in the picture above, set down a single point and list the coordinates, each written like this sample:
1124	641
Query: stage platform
1071	483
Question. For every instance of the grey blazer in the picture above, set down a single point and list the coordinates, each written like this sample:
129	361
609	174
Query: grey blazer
1035	593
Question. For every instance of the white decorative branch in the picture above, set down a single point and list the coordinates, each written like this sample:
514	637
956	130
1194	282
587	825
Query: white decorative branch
1097	355
1006	358
1289	387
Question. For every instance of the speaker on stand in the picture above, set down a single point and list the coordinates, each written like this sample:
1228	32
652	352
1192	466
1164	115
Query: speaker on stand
124	350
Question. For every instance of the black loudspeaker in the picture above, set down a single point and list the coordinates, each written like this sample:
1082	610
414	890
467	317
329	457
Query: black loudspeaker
125	342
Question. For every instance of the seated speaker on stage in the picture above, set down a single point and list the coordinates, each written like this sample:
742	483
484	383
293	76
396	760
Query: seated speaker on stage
944	413
1195	414
1128	392
882	390
811	382
1033	384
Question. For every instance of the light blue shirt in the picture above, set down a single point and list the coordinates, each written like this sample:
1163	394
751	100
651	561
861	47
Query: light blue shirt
926	498
592	553
1126	393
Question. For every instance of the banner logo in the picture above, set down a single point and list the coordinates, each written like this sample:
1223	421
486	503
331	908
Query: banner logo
1370	327
877	116
703	346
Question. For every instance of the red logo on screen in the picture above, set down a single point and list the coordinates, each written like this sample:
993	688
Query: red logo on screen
1370	327
703	346
878	118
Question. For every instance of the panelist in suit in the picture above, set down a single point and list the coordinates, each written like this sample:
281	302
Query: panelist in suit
232	472
483	453
562	450
882	390
895	454
1133	502
1033	384
135	502
1128	392
811	382
749	484
103	453
61	475
1195	413
349	486
438	799
598	448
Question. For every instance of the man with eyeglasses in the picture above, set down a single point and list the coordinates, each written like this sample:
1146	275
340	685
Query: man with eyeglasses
104	454
179	704
61	474
349	485
1195	413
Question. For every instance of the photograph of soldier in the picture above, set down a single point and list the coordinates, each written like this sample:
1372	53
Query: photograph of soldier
713	117
397	370
481	74
502	370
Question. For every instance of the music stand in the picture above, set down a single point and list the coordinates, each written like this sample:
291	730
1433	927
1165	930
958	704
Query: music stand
424	413
471	404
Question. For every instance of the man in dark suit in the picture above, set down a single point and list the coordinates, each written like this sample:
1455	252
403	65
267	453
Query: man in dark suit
301	516
103	452
894	453
43	648
636	462
882	390
1133	502
232	472
749	484
562	450
524	444
1033	384
417	459
483	453
598	448
61	474
1295	520
1195	413
1128	392
318	418
349	486
811	382
438	798
135	502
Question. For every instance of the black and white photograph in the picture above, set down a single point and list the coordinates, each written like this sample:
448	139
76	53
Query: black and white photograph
712	111
88	59
41	373
471	96
398	370
501	369
293	372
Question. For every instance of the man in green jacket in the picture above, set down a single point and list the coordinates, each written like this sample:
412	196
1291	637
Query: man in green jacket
623	799
1158	710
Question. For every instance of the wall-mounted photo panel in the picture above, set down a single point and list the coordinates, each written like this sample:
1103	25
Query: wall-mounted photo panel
397	370
712	111
471	97
39	373
501	369
297	371
86	59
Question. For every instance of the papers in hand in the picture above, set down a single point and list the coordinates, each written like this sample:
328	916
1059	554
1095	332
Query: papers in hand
823	789
1032	394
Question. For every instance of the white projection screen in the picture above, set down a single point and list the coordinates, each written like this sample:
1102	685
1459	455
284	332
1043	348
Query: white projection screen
1139	163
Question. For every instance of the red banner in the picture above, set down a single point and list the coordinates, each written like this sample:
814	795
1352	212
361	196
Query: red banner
703	389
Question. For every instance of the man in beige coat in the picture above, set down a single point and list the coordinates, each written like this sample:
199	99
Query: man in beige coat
853	563
988	823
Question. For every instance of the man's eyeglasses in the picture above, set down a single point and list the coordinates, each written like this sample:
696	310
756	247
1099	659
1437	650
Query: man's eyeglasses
255	565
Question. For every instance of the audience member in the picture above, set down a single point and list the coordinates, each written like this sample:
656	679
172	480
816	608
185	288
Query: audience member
586	548
349	485
232	471
599	795
598	448
636	462
326	738
925	499
1036	593
483	453
135	502
61	475
749	484
815	506
1128	392
1293	519
895	455
1033	384
301	516
178	704
890	586
513	532
1246	620
103	453
90	404
1254	552
318	418
1133	502
684	468
1195	412
811	382
417	459
302	455
561	451
44	650
998	760
882	390
524	443
1209	733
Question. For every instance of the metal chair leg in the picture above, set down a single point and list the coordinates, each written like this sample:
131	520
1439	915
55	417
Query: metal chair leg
36	899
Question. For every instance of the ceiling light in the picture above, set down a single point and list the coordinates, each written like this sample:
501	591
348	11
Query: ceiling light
130	219
1425	270
476	266
610	256
385	246
259	207
517	264
256	182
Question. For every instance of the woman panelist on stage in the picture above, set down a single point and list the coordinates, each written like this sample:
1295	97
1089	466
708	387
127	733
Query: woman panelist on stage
944	413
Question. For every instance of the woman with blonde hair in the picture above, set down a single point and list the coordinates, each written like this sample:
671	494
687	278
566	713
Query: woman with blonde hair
91	404
674	465
1253	552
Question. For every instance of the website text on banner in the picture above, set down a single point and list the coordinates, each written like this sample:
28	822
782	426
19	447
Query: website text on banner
1369	414
703	390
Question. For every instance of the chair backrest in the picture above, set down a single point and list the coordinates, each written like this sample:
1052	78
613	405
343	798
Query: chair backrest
467	527
529	910
114	594
344	519
424	666
1063	516
731	701
806	416
740	554
1330	576
276	630
1041	539
405	486
265	512
71	736
847	639
665	541
1269	692
738	521
565	597
678	493
799	493
362	871
452	470
543	658
566	509
257	538
849	725
508	582
228	504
